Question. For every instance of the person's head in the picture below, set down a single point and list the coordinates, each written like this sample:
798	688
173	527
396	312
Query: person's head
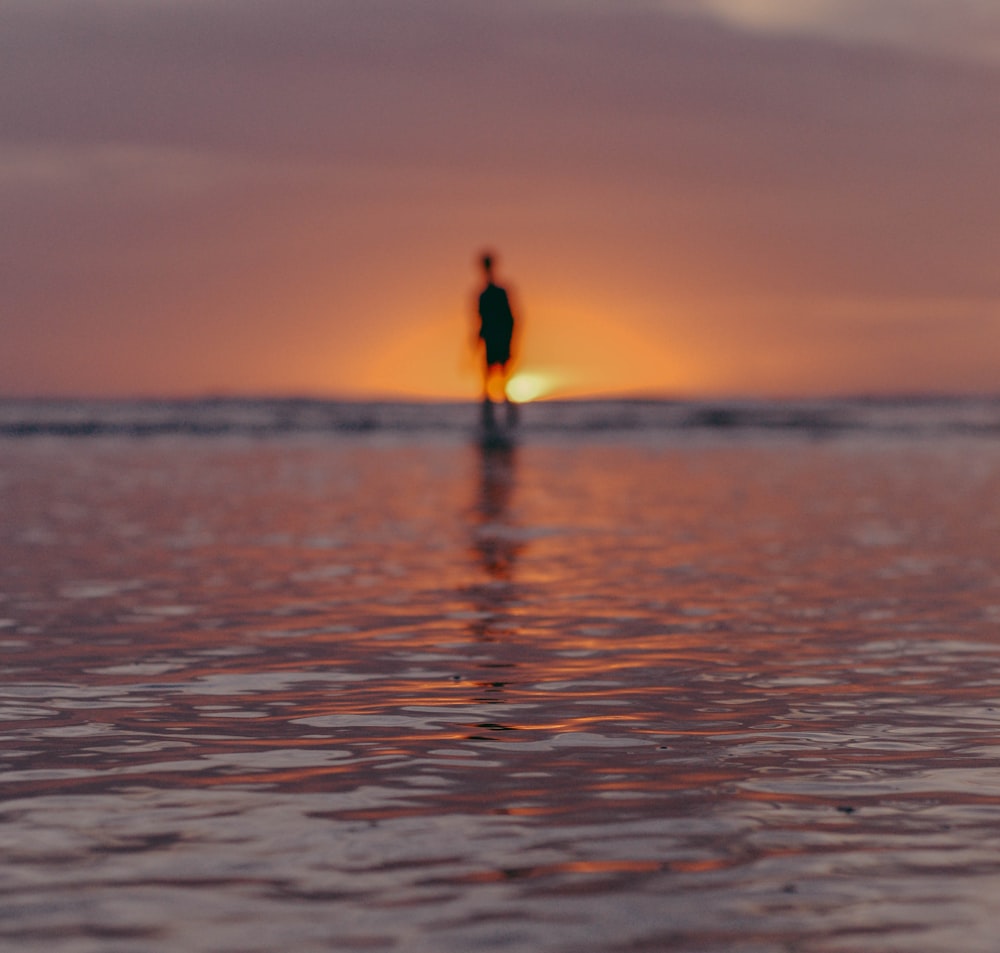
487	263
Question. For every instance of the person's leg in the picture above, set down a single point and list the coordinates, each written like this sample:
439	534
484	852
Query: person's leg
489	420
511	407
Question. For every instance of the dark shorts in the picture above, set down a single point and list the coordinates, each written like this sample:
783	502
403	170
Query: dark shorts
497	350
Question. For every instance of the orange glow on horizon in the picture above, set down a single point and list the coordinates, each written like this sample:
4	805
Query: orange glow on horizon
615	341
564	352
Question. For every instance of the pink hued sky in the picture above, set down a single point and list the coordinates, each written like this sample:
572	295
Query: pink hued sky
688	197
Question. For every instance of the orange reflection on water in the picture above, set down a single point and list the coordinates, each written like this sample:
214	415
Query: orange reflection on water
577	867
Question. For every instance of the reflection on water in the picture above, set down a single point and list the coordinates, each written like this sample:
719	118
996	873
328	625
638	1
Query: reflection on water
380	694
495	538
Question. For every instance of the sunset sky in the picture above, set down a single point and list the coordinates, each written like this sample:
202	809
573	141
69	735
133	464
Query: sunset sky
688	197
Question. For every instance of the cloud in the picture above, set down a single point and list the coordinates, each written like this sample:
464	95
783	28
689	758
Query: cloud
963	29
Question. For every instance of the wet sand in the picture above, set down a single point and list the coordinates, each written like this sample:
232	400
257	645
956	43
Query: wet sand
600	693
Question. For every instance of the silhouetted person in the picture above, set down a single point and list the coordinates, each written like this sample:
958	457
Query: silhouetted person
496	332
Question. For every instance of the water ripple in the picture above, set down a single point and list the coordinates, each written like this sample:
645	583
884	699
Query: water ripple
576	695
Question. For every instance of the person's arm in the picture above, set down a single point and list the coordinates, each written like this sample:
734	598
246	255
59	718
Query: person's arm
477	324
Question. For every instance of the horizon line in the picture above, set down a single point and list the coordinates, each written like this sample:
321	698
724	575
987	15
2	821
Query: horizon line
398	398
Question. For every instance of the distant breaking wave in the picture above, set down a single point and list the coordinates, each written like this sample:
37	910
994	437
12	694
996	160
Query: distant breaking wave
277	416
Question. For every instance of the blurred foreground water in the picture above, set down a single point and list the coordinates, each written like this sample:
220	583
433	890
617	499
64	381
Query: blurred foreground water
669	688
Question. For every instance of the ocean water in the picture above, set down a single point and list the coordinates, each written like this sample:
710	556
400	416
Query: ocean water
652	677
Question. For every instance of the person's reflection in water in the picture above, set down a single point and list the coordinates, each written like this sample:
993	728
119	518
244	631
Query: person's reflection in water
493	537
496	545
495	337
495	541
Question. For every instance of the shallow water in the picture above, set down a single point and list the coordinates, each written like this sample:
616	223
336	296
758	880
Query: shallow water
374	692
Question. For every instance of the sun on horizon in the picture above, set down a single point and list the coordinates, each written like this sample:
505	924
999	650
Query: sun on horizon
527	386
